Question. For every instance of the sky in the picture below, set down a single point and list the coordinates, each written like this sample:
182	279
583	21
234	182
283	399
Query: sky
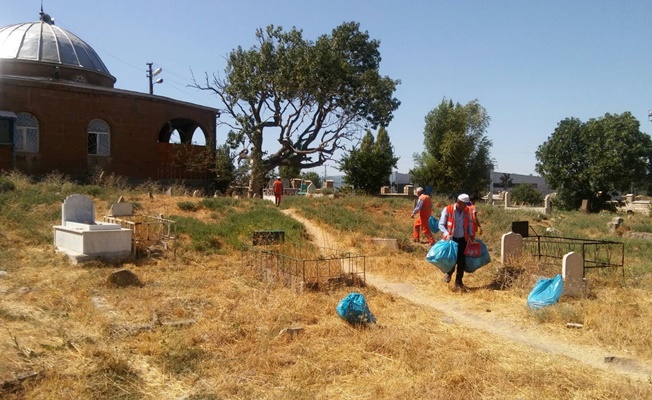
530	64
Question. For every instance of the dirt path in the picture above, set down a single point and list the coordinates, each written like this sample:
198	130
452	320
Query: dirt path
492	323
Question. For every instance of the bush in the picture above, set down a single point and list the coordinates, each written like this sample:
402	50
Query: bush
526	194
188	206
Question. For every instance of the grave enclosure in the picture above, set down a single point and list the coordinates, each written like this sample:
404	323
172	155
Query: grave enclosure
330	268
81	238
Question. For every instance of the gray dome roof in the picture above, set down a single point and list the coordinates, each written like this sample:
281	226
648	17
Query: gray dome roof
44	42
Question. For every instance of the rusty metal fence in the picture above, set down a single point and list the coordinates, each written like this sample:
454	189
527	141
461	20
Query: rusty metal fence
595	253
332	268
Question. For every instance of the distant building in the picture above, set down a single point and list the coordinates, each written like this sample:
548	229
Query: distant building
537	182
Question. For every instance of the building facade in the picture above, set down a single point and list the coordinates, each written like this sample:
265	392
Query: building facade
59	111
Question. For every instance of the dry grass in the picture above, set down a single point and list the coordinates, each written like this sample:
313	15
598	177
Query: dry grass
87	339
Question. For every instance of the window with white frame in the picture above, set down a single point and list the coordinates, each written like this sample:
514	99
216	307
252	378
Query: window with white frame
99	138
26	136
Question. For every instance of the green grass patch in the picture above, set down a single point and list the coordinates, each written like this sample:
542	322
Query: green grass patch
235	228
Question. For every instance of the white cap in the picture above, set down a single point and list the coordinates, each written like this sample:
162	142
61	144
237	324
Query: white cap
419	189
278	177
464	198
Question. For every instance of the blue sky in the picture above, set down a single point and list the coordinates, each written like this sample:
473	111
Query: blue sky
531	64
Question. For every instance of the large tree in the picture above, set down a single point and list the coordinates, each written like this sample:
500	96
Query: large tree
310	96
588	160
369	166
456	157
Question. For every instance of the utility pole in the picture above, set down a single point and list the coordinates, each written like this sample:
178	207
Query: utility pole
151	75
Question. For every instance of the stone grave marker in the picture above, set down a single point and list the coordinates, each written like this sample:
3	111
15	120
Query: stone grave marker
78	208
572	272
511	247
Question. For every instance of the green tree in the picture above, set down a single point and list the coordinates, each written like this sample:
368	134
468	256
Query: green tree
310	96
456	157
313	177
525	194
589	160
368	167
224	168
506	181
289	172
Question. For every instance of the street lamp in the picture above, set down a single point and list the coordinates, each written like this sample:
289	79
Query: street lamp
151	75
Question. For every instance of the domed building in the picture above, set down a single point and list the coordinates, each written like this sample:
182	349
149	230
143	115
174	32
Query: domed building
59	111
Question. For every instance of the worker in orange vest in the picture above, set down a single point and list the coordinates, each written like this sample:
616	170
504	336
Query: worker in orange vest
424	209
455	224
278	190
473	211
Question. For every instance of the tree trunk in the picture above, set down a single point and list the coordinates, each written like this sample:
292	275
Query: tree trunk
257	171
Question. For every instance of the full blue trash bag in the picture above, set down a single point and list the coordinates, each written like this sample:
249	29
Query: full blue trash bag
353	308
474	263
443	254
547	291
433	223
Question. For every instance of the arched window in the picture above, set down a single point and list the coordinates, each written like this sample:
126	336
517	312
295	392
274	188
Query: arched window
26	139
99	138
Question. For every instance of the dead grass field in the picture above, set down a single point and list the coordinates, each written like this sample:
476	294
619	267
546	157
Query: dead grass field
207	327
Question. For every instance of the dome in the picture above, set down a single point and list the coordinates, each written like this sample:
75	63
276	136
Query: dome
46	43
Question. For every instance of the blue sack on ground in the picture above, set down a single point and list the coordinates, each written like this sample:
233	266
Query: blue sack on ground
443	254
353	308
547	291
433	224
474	263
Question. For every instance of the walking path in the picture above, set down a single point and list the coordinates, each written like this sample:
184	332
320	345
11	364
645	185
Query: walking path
493	323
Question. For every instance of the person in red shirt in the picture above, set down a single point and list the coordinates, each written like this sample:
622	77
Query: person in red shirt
278	191
424	209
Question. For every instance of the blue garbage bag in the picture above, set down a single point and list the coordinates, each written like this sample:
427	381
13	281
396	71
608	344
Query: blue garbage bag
443	254
474	263
547	291
353	308
433	223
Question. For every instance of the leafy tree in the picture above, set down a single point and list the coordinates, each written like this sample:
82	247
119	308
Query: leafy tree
313	177
224	168
368	167
456	156
589	160
310	96
526	194
506	181
289	172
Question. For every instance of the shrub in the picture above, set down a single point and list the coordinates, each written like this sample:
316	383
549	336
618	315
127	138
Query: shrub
526	194
188	206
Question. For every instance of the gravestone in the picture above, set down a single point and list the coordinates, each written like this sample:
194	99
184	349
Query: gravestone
547	204
78	208
490	198
311	188
329	184
511	248
585	206
508	199
521	227
121	209
408	190
572	272
614	224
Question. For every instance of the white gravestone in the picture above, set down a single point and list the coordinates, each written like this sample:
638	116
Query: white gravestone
81	238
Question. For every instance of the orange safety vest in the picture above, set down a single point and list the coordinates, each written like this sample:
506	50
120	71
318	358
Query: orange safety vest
450	220
278	187
474	220
426	206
